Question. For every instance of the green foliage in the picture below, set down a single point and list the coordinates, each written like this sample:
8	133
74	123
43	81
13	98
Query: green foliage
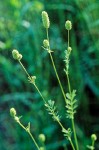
71	104
51	108
67	54
20	28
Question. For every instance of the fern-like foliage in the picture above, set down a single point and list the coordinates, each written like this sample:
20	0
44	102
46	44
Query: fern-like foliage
52	111
51	108
67	54
71	104
67	133
90	147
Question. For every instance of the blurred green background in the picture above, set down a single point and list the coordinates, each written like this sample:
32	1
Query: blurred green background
21	28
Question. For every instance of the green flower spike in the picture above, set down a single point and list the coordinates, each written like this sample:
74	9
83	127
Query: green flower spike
45	20
68	25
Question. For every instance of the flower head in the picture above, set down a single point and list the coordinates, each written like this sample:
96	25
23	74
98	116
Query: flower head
42	137
94	137
45	19
46	43
16	55
69	49
13	112
42	148
68	25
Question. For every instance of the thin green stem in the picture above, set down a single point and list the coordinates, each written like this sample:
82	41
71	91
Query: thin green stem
33	83
39	93
72	145
69	86
47	37
93	142
57	76
72	120
75	136
30	135
56	69
34	140
68	38
73	125
24	68
60	124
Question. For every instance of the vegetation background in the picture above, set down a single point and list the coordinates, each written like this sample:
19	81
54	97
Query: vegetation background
21	28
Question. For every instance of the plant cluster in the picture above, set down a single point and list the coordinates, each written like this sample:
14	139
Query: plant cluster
69	97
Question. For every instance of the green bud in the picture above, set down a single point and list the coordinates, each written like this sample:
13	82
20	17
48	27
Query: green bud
16	55
68	25
69	49
94	137
16	119
13	112
45	19
42	137
42	148
46	43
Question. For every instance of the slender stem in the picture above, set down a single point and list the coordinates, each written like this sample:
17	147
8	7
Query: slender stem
34	140
75	136
72	120
73	125
39	92
93	142
29	134
68	38
69	86
24	68
71	144
22	125
60	124
33	83
47	37
57	77
56	69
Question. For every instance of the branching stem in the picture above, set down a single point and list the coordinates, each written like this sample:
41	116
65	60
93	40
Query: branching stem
72	145
29	134
33	83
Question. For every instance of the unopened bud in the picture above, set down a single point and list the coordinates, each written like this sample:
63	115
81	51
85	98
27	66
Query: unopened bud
94	137
16	119
46	43
68	25
45	19
69	49
42	137
16	55
13	112
42	148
